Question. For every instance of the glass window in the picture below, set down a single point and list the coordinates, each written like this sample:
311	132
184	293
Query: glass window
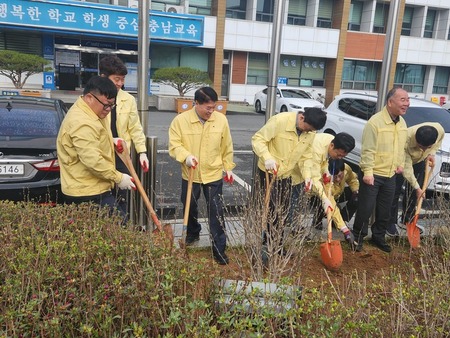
407	21
359	108
360	75
161	5
410	77
381	12
264	10
297	12
429	23
312	72
325	13
441	78
354	21
258	69
236	9
169	56
201	7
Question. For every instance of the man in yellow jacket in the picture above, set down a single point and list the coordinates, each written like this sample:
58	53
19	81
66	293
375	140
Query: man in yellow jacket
344	190
86	148
326	149
124	118
382	156
200	138
283	145
423	141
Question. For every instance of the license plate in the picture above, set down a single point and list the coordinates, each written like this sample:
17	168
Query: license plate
11	169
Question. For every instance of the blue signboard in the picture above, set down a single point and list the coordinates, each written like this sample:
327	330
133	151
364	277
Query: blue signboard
282	80
75	16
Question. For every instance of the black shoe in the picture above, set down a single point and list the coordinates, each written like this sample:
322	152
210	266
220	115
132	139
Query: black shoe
192	239
358	247
392	231
221	259
382	245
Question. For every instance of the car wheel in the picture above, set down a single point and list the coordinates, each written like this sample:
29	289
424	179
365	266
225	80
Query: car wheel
283	109
258	106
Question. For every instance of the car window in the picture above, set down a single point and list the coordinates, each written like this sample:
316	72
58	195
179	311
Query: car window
416	115
28	123
297	94
359	108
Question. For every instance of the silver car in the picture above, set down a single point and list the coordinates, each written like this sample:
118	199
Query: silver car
288	99
349	112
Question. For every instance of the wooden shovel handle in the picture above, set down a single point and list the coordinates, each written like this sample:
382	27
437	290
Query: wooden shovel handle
126	159
428	169
187	205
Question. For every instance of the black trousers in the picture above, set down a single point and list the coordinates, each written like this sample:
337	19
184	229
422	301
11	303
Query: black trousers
409	200
214	205
378	196
106	199
279	204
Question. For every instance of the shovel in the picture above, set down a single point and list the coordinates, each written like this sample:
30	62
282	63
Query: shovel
167	229
187	206
412	231
331	251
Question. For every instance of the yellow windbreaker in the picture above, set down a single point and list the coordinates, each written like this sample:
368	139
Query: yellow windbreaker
413	154
210	143
350	179
86	153
128	124
278	139
383	145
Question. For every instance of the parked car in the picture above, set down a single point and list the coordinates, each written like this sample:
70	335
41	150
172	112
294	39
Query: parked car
288	99
446	105
29	169
349	112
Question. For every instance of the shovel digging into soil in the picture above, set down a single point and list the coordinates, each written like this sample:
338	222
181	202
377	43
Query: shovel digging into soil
165	230
331	251
412	231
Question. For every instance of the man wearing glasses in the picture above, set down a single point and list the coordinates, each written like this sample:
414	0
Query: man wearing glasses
86	149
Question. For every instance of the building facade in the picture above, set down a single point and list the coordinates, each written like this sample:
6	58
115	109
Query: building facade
327	46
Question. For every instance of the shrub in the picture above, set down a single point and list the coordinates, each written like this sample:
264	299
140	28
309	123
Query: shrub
183	79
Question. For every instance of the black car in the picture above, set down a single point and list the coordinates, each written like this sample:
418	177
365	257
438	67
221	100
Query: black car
29	169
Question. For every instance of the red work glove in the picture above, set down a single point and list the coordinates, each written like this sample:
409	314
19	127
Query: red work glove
143	159
229	177
326	178
308	184
119	144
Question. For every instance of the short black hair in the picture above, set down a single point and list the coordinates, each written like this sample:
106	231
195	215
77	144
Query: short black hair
336	166
205	95
99	85
344	141
315	117
112	65
426	135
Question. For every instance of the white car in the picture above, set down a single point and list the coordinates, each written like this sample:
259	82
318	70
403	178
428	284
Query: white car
288	99
349	112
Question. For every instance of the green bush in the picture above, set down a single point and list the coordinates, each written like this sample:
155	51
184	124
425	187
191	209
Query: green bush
70	271
183	79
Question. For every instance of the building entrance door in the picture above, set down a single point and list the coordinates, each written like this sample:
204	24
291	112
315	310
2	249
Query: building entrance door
89	67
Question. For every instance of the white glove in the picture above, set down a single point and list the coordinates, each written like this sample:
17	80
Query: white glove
271	165
143	159
126	182
327	206
191	161
308	184
119	144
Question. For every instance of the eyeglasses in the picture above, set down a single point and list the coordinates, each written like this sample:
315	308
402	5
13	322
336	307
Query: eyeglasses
105	106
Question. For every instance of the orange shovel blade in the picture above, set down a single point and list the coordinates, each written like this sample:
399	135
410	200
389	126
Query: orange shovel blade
413	233
331	253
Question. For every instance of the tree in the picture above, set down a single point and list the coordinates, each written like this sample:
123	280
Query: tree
183	79
18	67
